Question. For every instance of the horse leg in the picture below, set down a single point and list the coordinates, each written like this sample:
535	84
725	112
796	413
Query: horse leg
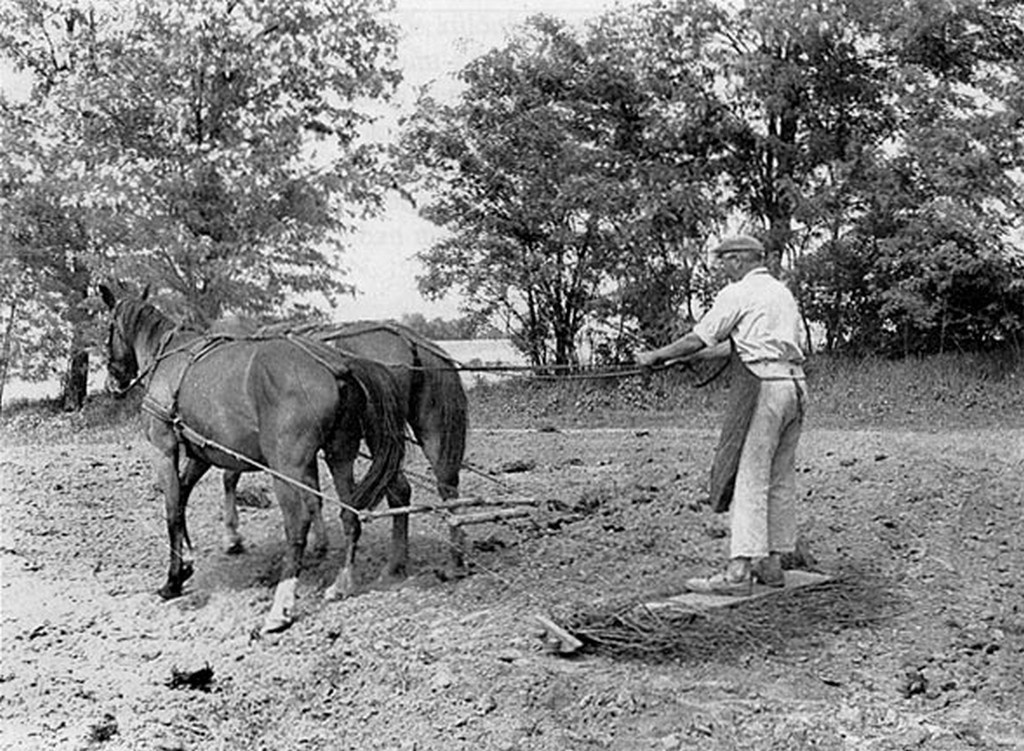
177	488
191	473
344	584
232	540
447	478
178	571
448	488
399	492
320	541
295	508
341	459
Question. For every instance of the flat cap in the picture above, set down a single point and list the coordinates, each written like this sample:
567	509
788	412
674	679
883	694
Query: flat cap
740	243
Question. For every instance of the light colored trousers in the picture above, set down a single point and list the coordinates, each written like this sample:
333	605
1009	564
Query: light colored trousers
762	515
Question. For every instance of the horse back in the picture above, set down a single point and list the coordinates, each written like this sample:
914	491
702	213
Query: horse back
258	396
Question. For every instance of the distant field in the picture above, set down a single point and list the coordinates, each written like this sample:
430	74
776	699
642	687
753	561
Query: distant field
465	351
18	390
470	352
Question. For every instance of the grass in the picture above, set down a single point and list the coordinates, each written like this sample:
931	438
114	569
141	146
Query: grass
943	392
962	391
42	421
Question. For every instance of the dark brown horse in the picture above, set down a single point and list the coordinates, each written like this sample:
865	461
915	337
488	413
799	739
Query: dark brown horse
436	410
247	404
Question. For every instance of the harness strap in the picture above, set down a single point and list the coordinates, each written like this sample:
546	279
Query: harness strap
321	354
200	348
417	373
160	354
198	439
197	349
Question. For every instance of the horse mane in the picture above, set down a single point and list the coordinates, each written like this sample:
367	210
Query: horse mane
146	325
142	319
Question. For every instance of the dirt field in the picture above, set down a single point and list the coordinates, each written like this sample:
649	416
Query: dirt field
919	645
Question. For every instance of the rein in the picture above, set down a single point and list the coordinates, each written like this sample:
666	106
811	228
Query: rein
339	332
575	372
197	438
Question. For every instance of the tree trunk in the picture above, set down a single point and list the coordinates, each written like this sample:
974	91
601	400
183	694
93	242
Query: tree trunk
565	345
807	334
7	346
779	233
75	384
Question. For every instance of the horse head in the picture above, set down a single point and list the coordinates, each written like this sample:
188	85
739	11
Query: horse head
122	363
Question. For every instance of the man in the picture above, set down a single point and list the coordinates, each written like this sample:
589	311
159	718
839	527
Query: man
759	314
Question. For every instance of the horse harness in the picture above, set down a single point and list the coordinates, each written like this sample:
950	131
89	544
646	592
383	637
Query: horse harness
203	346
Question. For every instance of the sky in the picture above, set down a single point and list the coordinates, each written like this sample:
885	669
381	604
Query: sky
438	38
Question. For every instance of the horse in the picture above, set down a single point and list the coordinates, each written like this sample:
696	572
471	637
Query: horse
436	411
247	404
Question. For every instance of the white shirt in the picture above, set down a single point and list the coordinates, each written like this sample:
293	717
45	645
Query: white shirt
761	315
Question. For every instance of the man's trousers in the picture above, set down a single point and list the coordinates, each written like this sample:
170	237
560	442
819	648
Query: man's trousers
763	511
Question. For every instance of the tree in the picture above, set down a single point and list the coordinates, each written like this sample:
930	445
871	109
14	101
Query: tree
671	135
843	130
543	176
927	246
798	92
438	329
45	246
871	144
210	148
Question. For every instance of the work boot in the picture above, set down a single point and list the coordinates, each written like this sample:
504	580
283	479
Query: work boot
735	581
768	571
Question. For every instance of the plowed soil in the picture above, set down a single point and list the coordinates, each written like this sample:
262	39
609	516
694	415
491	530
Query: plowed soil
919	643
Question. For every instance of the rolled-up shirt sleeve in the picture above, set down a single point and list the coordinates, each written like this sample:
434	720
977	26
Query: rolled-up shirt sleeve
719	322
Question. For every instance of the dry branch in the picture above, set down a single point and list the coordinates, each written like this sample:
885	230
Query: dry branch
461	520
557	636
454	505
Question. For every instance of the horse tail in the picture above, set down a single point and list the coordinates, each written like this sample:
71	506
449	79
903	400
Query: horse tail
383	425
453	411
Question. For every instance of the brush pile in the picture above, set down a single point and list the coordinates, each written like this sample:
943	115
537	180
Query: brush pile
647	630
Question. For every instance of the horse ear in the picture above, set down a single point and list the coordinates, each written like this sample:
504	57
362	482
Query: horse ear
107	295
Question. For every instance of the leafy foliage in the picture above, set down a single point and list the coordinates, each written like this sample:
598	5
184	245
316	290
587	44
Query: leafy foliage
543	172
920	259
211	149
873	146
439	329
45	244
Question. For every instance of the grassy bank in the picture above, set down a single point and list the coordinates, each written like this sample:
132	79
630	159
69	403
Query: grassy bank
938	393
947	392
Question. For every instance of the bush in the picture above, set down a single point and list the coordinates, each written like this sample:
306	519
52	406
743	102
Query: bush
961	390
929	393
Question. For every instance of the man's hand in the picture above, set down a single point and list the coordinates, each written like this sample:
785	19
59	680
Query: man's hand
647	359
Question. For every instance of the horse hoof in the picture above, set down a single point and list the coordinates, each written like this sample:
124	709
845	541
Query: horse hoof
389	578
276	624
169	592
451	573
234	547
334	593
